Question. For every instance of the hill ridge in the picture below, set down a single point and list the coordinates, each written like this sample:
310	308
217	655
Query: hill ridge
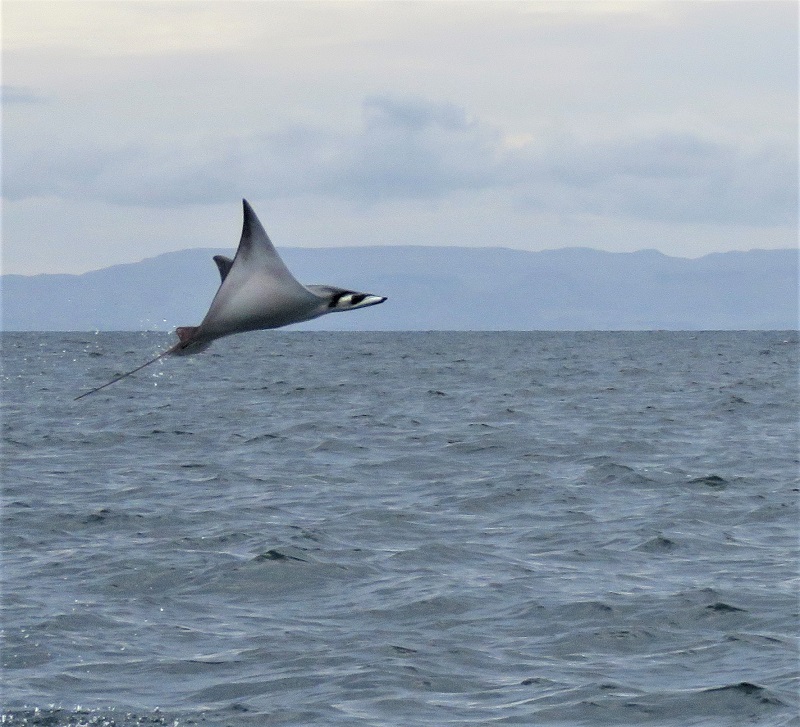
439	288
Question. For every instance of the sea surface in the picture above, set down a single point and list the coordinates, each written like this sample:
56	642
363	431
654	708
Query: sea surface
401	529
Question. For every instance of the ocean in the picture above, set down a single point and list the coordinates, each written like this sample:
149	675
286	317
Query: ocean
401	529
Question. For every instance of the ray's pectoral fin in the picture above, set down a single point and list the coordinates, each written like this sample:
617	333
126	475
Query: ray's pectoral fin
224	265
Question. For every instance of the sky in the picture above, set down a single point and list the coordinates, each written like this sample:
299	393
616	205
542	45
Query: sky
135	127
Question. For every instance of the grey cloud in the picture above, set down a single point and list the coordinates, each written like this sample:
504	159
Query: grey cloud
668	177
413	113
412	148
12	95
404	149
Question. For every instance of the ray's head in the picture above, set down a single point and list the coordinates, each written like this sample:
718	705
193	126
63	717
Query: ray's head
350	300
341	299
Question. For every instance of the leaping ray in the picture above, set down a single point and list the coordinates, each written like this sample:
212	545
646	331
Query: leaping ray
256	292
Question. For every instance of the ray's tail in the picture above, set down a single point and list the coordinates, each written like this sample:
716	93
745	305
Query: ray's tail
128	373
185	345
181	348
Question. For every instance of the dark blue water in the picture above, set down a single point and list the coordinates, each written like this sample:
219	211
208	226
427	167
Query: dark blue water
402	529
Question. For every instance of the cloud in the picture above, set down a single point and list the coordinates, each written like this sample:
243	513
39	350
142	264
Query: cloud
404	148
672	177
12	95
412	148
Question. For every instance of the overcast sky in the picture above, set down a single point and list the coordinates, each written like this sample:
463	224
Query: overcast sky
135	128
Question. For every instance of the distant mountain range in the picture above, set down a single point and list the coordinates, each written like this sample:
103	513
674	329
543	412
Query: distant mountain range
439	288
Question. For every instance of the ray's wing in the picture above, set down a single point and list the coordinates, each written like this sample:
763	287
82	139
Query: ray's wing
224	265
257	288
256	249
